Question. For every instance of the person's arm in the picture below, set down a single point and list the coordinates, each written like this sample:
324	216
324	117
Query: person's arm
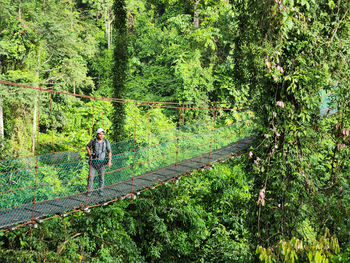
109	150
110	159
88	148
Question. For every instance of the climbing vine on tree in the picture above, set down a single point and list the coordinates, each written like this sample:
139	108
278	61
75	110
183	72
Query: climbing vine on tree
301	162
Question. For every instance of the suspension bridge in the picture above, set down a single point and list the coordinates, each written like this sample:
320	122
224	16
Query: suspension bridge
55	184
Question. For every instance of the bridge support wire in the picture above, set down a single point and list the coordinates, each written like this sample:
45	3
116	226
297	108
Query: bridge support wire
213	134
177	140
90	158
52	144
183	108
133	155
149	128
37	156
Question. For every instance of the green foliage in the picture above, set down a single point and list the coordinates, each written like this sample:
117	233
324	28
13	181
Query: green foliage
173	60
299	161
200	219
277	57
295	250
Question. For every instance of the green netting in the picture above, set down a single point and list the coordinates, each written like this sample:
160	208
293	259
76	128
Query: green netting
327	106
57	182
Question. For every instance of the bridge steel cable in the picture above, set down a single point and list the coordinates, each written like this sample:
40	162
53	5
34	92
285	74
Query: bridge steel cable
37	155
133	155
57	183
159	104
213	134
51	117
88	192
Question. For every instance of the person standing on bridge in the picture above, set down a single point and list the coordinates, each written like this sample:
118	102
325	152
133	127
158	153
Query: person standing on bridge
97	149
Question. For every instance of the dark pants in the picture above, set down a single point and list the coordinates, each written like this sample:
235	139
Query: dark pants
101	175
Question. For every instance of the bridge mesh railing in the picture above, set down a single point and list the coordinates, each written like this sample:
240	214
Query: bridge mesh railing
28	182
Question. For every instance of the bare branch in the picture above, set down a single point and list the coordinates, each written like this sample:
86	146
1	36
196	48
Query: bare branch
337	27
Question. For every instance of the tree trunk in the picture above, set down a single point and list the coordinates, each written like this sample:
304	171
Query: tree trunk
19	14
2	134
109	27
195	14
120	66
111	19
71	16
35	107
106	10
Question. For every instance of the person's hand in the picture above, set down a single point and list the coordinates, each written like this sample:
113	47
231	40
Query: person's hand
109	163
89	152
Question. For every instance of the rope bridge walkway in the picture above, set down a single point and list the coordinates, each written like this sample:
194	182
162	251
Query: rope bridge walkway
55	184
18	206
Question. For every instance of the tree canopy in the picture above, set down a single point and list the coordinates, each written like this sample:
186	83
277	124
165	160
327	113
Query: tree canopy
284	200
